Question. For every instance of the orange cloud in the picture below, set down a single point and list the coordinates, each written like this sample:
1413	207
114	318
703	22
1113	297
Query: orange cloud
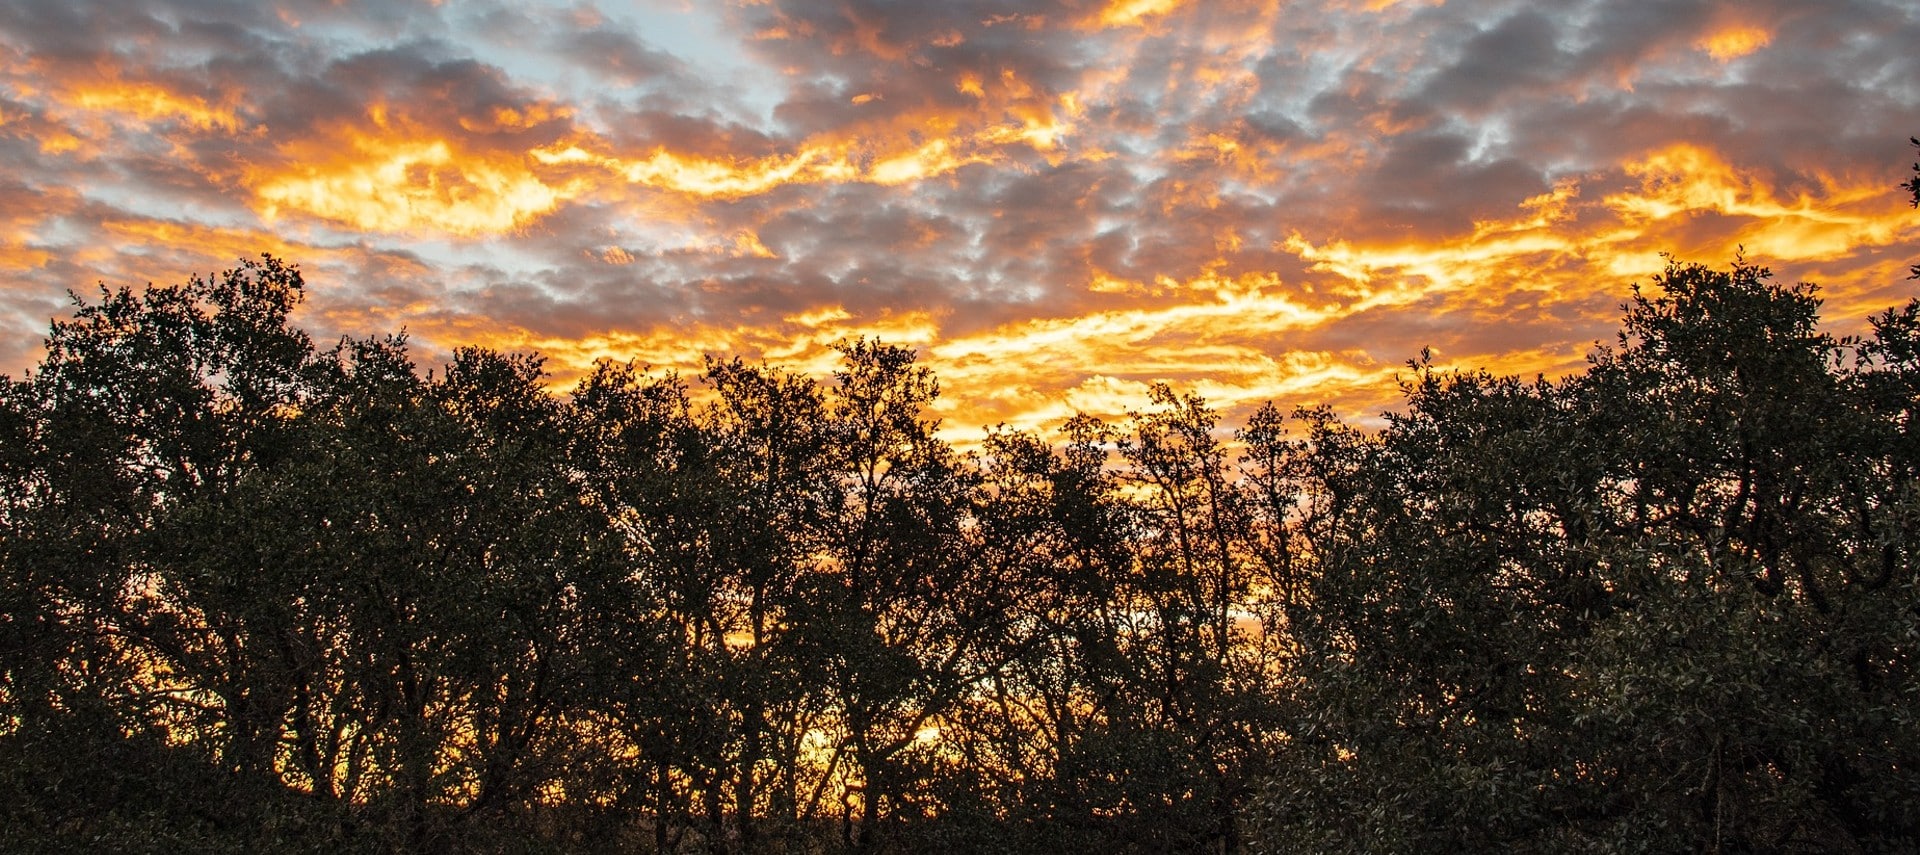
1733	42
1214	331
150	102
1133	13
1836	218
1674	183
801	342
886	159
397	185
1243	337
85	113
704	176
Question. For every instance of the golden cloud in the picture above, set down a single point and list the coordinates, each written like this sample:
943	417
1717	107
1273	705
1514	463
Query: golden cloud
398	185
1733	42
1232	335
1837	217
1133	13
884	160
151	103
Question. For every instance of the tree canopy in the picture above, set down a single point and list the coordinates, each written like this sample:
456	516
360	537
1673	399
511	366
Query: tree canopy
264	595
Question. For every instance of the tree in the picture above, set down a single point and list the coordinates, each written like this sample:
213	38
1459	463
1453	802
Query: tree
1913	186
318	573
263	596
1653	607
145	406
897	610
148	404
1052	524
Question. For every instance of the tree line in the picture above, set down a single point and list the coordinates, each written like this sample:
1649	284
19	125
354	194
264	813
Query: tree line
760	612
257	594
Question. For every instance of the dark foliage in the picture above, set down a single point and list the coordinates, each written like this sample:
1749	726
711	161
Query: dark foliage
1667	605
260	596
1913	186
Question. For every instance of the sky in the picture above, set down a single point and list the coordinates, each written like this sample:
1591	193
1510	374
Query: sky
1057	202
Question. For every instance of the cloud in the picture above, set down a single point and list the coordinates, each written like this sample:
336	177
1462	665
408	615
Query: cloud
1058	202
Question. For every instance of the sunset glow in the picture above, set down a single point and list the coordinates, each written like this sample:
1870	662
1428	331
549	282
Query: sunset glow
1058	203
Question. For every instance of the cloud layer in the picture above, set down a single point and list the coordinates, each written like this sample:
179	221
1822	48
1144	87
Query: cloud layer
1058	201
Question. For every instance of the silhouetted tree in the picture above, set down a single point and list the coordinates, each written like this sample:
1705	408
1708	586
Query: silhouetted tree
258	596
1653	607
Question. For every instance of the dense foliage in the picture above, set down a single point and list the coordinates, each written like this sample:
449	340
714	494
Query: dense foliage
257	595
264	595
1669	605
